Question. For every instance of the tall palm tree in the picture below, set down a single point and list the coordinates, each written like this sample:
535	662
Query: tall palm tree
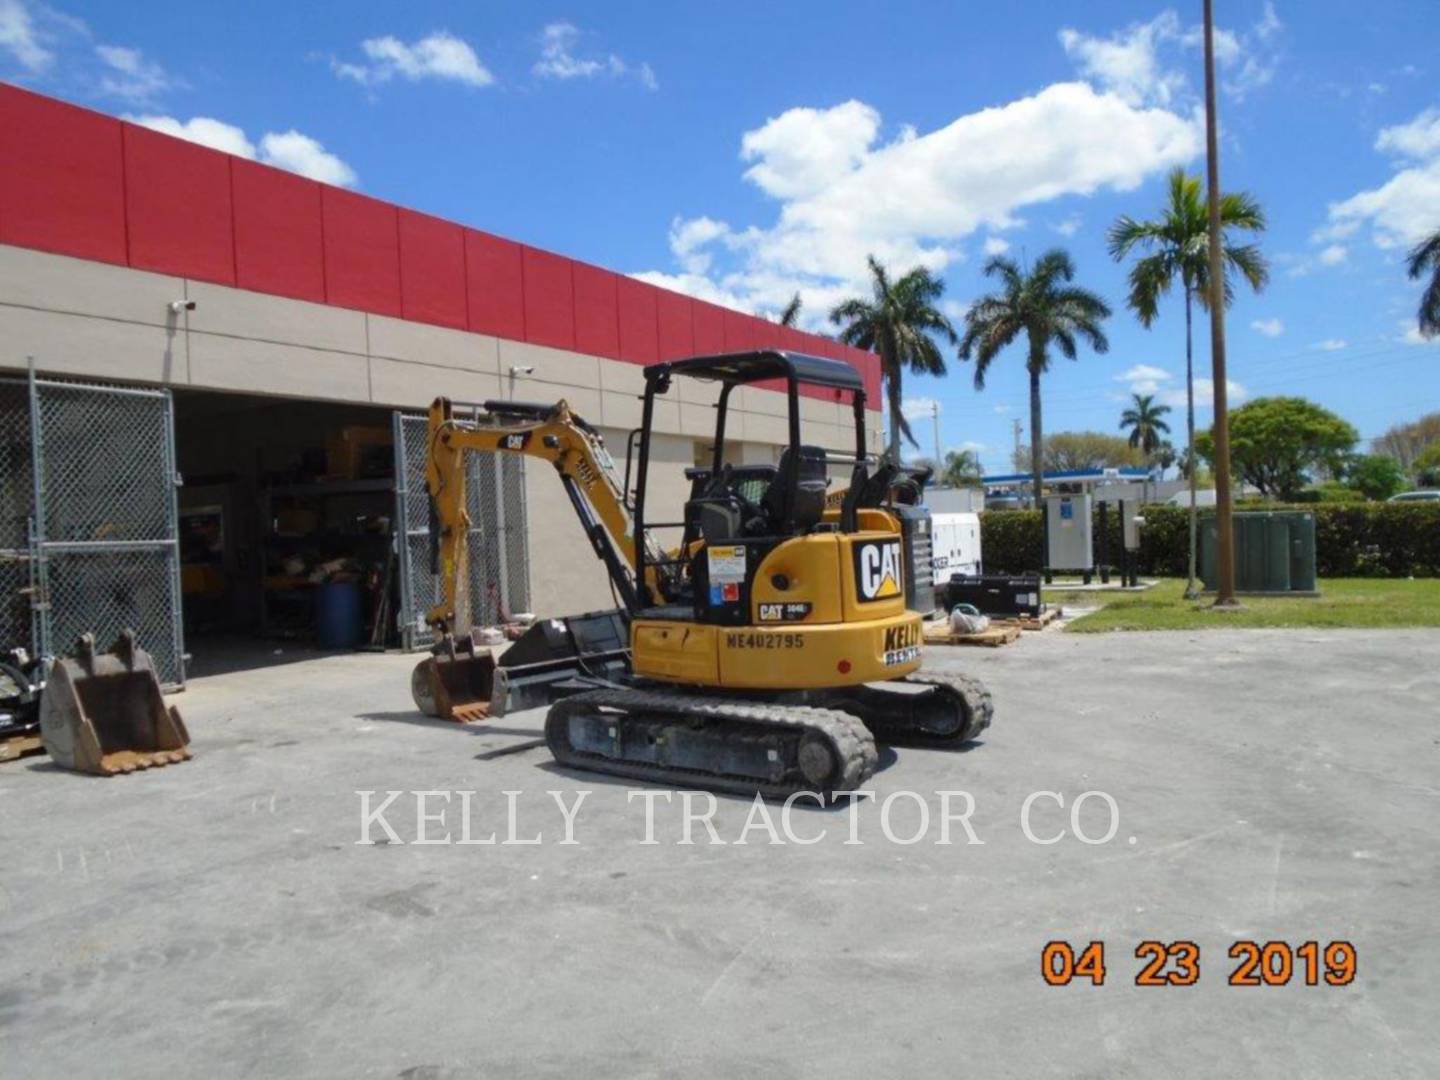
1145	420
791	313
897	322
1425	256
1176	246
1048	310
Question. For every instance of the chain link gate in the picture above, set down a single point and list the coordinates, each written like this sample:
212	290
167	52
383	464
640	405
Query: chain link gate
92	491
499	556
19	619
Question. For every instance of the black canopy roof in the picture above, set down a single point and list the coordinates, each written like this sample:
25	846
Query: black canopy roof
748	367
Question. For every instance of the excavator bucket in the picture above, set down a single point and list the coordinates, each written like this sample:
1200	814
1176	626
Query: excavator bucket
103	713
455	681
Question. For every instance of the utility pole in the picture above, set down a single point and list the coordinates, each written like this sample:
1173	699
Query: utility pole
1019	430
935	417
1224	518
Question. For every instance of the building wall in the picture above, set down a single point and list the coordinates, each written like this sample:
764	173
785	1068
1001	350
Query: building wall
307	291
88	319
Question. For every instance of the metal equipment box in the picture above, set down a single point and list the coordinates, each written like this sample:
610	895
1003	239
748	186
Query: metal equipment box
995	594
1274	553
1068	541
955	545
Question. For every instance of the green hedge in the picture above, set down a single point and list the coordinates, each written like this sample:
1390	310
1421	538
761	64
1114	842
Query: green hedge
1351	539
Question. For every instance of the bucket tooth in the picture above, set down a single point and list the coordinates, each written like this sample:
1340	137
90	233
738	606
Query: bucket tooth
104	713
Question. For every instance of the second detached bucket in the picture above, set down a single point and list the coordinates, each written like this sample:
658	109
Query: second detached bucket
103	713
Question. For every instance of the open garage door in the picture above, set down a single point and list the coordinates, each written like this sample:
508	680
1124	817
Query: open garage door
499	571
94	499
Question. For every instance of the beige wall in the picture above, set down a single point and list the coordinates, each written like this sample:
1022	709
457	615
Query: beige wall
90	320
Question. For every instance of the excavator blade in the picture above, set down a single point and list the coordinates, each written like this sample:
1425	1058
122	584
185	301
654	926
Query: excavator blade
103	713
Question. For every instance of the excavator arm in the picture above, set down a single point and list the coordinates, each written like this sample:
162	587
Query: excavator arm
551	433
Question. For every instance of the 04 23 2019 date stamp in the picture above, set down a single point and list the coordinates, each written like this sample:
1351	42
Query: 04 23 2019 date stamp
1177	963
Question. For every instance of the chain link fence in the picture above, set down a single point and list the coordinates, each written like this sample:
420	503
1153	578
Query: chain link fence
499	558
18	628
100	555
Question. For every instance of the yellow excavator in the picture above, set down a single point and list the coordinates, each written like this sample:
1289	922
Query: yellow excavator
767	652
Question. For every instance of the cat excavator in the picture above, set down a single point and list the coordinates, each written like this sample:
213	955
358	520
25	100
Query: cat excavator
768	652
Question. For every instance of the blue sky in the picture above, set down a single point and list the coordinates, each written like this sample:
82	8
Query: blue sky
743	151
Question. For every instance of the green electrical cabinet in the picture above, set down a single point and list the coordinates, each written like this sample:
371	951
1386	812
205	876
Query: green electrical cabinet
1274	553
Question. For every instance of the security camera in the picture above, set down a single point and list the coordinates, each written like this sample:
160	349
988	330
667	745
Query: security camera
177	306
522	369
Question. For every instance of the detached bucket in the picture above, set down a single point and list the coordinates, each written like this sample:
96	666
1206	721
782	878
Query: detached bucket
103	713
454	682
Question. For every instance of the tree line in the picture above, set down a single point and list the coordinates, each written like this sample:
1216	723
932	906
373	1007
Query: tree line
1041	307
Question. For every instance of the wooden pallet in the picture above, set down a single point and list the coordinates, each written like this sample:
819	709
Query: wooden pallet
18	746
1027	622
993	637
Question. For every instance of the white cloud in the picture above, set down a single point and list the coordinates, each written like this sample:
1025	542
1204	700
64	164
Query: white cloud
1069	227
800	152
1330	345
1333	255
288	150
301	154
955	310
1410	334
914	407
204	130
129	75
1144	378
844	193
1003	409
558	60
1405	208
439	55
1128	63
1144	63
1204	394
20	38
1418	139
1271	328
996	245
688	238
1269	24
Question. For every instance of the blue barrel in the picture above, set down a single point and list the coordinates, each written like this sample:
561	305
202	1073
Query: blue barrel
338	620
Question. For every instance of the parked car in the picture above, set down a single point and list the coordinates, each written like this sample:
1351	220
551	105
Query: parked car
1423	495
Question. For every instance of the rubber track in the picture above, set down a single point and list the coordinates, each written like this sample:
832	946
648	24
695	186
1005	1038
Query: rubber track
850	739
969	693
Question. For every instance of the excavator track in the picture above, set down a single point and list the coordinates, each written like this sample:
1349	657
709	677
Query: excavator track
953	710
689	740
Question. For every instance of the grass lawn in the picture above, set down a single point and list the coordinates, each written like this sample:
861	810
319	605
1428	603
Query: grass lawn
1357	602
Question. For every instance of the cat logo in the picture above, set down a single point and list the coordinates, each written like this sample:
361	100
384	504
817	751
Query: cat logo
515	442
877	569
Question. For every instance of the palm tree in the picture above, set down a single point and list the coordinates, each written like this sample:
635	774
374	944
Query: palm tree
1165	456
790	315
1425	256
897	322
1143	418
1047	309
1177	246
962	468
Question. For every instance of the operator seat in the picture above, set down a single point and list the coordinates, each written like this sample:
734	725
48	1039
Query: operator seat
795	500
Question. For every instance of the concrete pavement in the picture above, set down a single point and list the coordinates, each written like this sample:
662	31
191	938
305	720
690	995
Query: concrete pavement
220	918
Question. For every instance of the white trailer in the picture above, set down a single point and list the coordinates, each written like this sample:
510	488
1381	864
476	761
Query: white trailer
955	545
